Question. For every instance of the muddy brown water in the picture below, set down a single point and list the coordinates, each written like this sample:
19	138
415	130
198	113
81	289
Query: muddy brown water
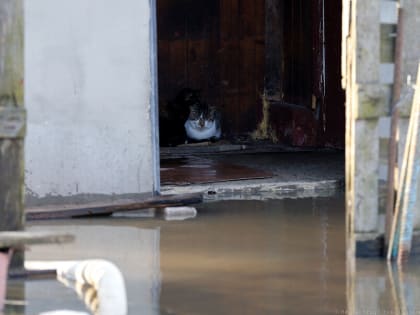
235	257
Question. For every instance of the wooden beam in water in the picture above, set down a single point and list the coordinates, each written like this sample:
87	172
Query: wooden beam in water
19	239
104	209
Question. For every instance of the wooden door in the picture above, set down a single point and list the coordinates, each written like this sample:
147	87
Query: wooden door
303	43
234	51
216	46
242	31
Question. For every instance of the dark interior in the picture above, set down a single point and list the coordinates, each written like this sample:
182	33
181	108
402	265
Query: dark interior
242	54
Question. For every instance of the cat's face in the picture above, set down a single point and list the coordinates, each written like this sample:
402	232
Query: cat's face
201	114
197	116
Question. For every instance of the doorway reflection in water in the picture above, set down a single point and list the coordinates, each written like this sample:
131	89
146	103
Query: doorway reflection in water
236	257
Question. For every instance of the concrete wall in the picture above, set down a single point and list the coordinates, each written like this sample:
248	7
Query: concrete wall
368	75
88	94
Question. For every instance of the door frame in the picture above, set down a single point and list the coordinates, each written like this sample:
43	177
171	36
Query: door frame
154	96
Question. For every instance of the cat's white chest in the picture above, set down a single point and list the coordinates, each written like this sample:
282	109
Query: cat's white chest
211	129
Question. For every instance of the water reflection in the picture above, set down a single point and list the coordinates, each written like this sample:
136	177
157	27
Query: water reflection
254	257
98	283
235	257
135	251
384	288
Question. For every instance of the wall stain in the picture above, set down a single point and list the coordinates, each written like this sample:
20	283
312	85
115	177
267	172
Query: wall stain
264	129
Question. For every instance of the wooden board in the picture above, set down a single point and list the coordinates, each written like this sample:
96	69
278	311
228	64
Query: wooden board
185	171
17	239
103	209
12	115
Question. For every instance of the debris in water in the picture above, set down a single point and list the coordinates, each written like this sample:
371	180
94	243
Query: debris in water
179	213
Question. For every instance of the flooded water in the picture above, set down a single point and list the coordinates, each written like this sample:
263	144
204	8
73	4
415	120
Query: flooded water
235	257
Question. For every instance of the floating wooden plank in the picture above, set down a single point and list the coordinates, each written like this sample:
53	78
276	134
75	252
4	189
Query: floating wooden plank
103	209
28	274
17	239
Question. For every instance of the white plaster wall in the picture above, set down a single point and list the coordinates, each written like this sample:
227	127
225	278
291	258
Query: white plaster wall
88	86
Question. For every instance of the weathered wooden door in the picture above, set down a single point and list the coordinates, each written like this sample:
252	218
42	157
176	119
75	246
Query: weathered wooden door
242	57
303	72
238	52
215	46
188	34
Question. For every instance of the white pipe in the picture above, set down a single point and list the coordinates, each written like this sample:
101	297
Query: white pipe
98	282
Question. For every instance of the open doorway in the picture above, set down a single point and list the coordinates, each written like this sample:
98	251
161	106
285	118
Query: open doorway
271	68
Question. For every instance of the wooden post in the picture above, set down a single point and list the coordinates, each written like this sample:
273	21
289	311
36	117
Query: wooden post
365	104
392	150
274	49
411	186
403	223
12	116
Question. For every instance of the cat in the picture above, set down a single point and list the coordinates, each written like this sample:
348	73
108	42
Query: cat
188	118
203	122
